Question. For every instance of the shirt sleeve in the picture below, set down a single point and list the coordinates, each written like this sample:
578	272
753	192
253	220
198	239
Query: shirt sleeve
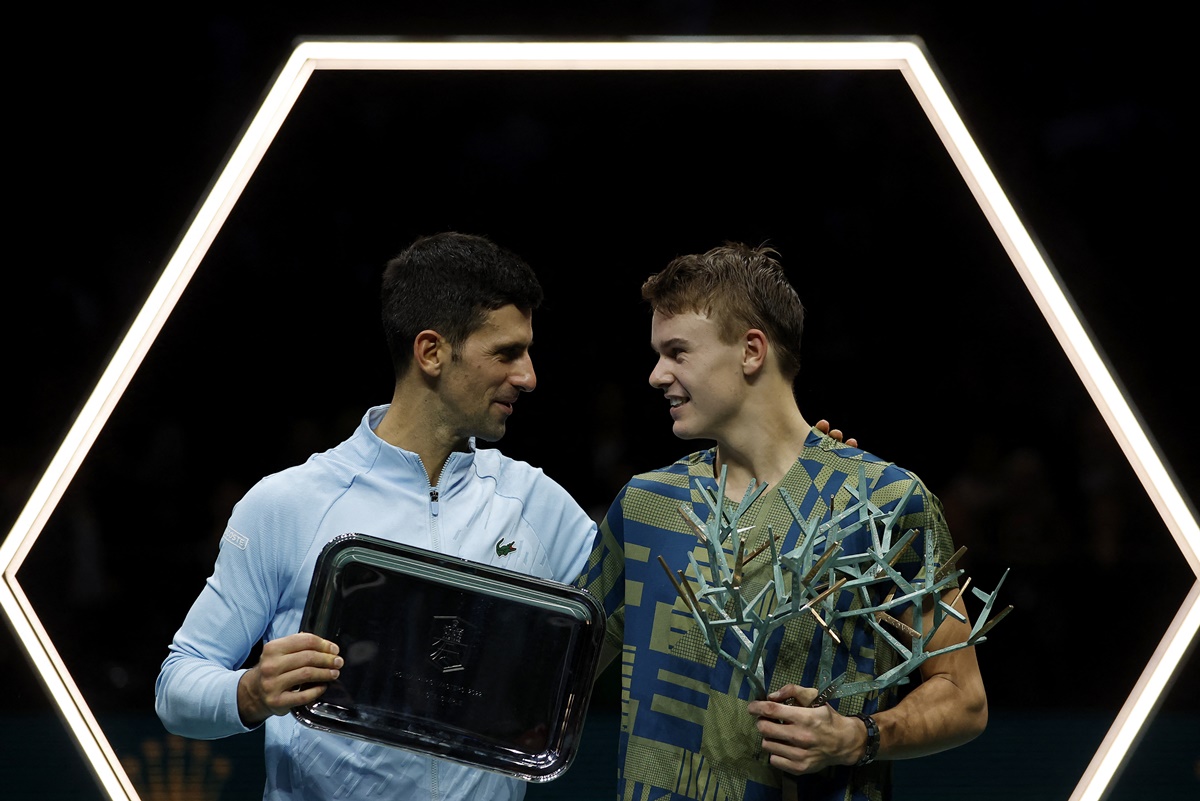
924	514
604	576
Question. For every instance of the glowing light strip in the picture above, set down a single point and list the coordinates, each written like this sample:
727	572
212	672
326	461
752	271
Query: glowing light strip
1046	292
158	306
1143	701
882	54
73	711
857	54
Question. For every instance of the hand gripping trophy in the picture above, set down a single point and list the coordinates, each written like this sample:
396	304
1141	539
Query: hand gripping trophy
841	591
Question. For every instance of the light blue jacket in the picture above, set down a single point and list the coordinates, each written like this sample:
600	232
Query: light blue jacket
260	584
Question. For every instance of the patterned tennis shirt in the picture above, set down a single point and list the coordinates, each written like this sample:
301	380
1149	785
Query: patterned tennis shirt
685	732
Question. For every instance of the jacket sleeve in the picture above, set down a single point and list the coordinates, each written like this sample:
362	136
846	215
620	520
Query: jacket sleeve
196	689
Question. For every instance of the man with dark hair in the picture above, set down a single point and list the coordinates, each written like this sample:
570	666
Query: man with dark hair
457	314
726	327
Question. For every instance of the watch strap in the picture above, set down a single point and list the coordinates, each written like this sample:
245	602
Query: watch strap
872	747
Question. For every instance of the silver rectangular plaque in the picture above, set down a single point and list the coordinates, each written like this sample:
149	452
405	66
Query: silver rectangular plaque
452	658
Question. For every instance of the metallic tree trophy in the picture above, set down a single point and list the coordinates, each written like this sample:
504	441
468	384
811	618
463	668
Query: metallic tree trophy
807	582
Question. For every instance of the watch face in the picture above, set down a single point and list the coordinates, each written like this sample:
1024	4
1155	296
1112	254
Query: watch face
452	658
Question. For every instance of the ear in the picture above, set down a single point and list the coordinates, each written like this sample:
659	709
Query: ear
754	351
430	352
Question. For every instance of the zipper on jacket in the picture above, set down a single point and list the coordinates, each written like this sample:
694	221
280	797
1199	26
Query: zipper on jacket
435	535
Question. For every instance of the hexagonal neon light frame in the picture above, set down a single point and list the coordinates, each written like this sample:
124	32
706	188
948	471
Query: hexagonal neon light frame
904	54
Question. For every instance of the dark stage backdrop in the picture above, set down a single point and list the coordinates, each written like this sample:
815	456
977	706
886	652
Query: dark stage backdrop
921	340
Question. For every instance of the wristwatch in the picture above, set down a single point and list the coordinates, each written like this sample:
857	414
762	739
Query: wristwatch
872	747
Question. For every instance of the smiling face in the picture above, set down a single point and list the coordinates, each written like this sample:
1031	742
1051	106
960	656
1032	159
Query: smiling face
701	375
483	381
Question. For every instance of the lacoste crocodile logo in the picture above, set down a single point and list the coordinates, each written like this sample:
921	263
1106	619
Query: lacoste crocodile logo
503	548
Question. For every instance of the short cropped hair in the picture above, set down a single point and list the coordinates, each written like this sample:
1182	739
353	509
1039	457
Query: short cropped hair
449	282
739	287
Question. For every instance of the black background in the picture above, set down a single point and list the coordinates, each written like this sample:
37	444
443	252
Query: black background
922	341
